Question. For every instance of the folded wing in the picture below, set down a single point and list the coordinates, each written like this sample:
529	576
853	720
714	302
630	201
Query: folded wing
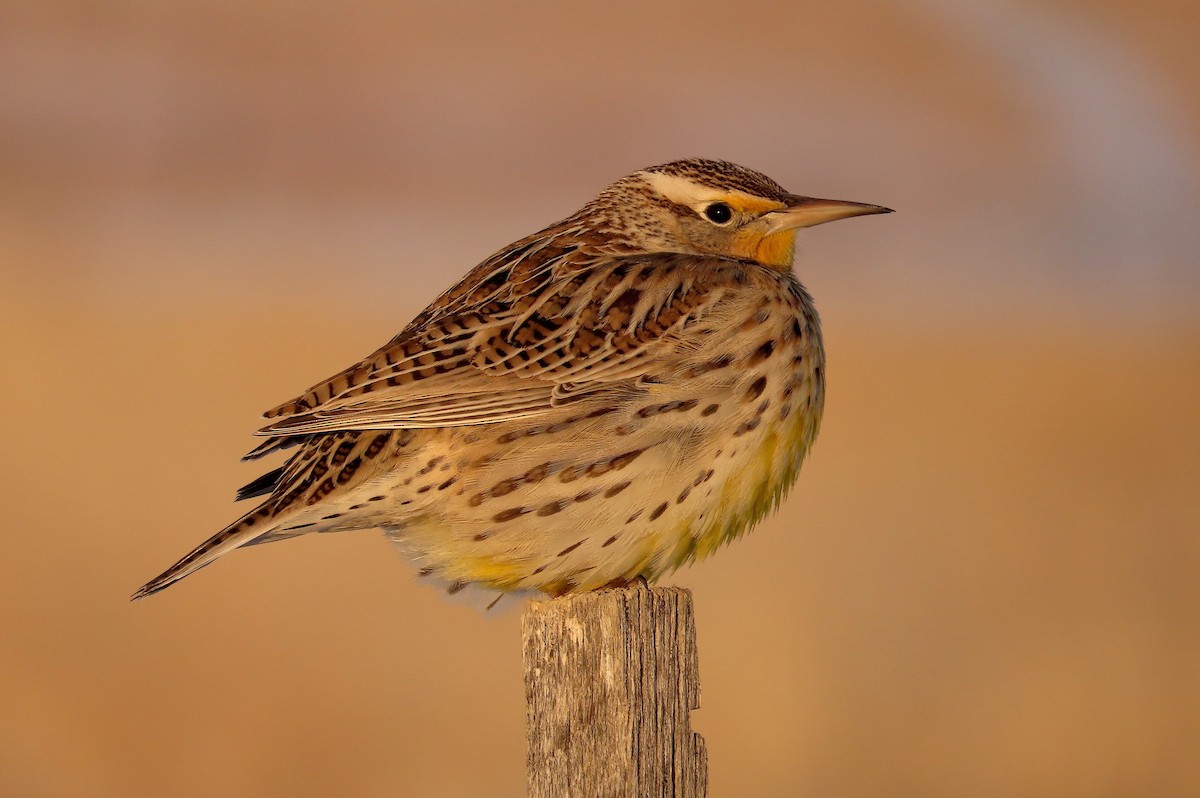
514	339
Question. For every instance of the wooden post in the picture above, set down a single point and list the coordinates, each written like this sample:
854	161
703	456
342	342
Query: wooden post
610	680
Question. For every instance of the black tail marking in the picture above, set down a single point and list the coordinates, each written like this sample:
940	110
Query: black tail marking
261	486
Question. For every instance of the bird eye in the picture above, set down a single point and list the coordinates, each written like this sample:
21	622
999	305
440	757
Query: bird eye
718	213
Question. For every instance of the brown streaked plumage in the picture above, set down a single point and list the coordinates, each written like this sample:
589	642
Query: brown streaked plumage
606	399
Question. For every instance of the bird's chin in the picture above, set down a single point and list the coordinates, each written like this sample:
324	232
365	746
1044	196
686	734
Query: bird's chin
774	249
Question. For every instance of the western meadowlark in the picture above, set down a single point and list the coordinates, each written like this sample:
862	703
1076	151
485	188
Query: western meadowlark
607	399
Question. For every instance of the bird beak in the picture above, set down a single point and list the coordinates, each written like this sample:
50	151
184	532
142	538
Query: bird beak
809	211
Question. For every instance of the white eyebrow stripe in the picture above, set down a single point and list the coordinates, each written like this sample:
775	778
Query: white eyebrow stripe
683	191
680	190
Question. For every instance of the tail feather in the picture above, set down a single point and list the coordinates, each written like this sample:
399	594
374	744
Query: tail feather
239	533
261	486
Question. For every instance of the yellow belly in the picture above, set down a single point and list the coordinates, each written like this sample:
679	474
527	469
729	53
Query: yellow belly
615	488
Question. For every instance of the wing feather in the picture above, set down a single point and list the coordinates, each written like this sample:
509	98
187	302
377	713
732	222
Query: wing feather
506	345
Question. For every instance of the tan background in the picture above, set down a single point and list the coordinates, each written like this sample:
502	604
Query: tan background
987	581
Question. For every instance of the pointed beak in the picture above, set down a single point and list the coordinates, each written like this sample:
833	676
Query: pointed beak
809	211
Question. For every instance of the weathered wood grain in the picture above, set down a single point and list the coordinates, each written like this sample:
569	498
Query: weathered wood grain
611	678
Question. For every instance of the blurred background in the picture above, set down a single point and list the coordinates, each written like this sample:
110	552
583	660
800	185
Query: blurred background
987	580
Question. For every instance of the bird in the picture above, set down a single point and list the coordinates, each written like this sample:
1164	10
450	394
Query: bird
597	404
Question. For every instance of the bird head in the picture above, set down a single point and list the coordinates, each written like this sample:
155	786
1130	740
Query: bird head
707	207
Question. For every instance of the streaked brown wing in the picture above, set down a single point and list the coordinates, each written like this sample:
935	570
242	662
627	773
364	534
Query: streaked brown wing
518	343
